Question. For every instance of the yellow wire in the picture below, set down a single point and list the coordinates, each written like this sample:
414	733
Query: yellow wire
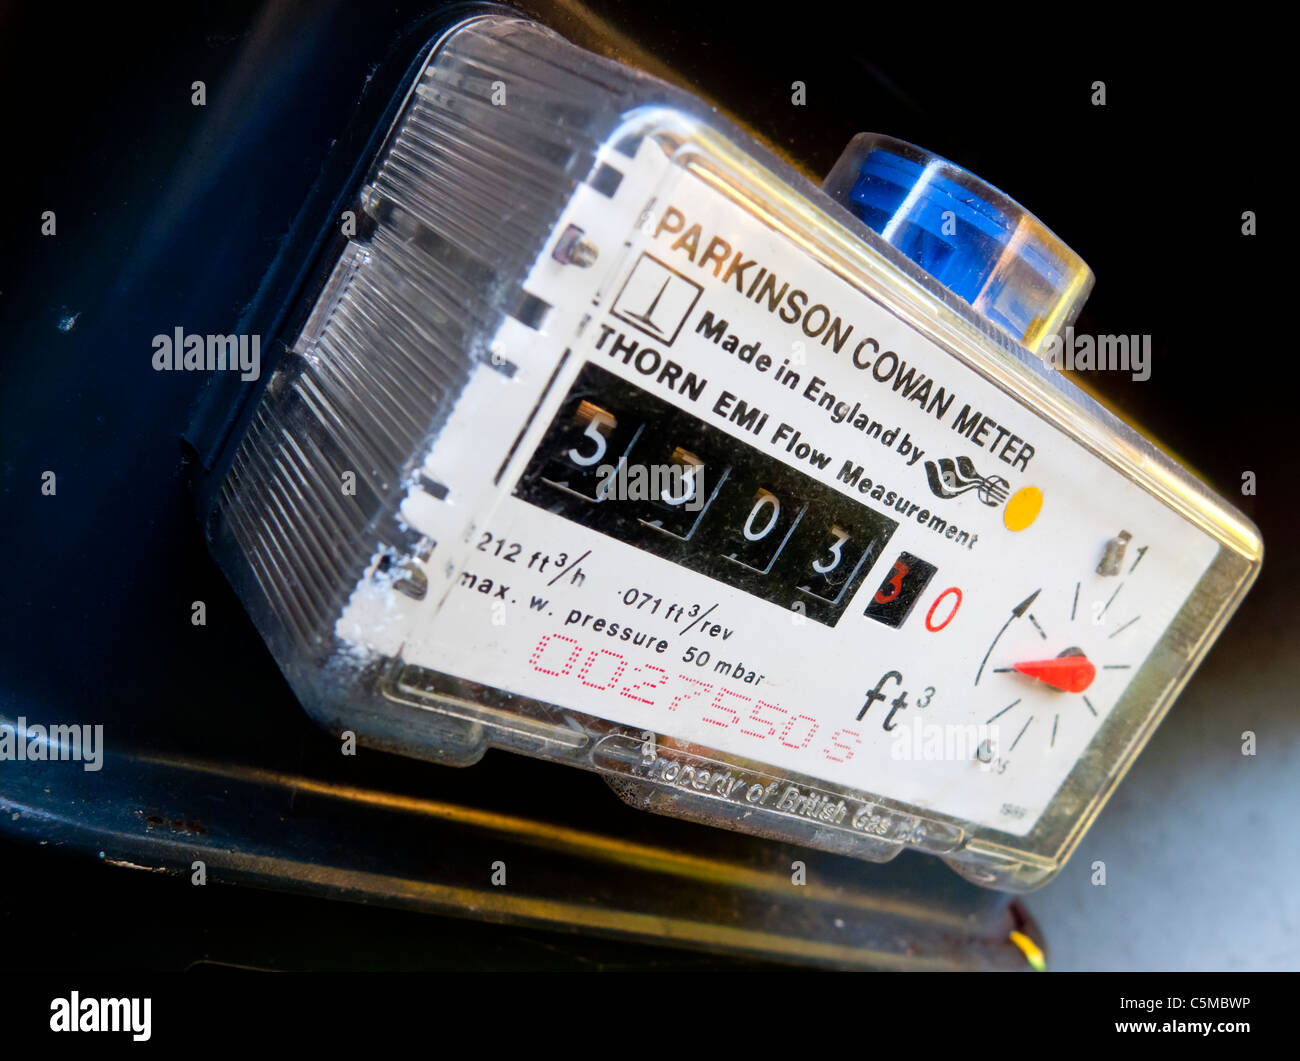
1031	951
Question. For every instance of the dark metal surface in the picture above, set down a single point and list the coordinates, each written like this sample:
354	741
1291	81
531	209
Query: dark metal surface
502	849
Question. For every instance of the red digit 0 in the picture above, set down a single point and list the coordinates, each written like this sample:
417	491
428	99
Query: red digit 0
929	616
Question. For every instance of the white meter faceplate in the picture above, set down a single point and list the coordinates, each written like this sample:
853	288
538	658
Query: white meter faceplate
671	468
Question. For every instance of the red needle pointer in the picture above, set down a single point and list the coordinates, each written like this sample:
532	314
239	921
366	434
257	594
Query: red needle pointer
1070	674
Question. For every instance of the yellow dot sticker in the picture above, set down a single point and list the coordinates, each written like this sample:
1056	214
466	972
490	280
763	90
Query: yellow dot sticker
1023	508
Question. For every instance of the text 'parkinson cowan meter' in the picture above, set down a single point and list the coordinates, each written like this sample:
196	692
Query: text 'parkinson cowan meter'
612	440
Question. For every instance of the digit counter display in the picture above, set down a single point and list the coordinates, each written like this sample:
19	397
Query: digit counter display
625	463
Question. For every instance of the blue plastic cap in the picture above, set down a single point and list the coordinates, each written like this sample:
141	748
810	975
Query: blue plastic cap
977	242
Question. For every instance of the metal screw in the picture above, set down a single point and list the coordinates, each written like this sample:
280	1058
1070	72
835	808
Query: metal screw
583	254
575	249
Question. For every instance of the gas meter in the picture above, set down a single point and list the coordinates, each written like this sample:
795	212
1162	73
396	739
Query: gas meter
610	439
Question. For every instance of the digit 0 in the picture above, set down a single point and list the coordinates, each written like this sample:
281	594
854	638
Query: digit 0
541	648
929	616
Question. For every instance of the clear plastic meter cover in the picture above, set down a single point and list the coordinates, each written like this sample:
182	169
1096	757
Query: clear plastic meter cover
612	440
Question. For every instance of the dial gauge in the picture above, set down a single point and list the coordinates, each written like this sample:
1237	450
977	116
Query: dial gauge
1059	663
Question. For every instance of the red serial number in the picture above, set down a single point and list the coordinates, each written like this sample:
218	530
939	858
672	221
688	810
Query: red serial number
604	670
